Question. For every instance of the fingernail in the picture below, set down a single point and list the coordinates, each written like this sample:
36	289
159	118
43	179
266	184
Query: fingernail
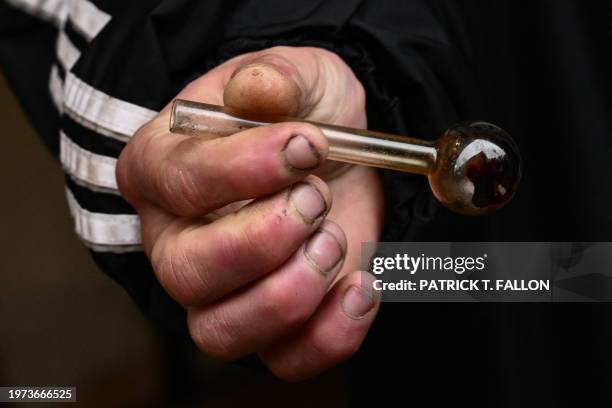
323	251
301	154
308	202
357	302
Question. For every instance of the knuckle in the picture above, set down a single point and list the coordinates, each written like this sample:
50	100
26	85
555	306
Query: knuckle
344	345
177	271
285	305
165	267
177	184
208	335
348	88
331	57
333	61
272	55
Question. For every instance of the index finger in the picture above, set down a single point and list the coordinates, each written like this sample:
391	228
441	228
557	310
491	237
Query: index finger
189	176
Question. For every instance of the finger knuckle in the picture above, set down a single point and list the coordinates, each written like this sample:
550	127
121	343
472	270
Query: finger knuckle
332	61
177	270
331	57
177	183
273	53
206	331
285	304
344	345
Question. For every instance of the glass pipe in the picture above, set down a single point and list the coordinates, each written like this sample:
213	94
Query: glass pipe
473	168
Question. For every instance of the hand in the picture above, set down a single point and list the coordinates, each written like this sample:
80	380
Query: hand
241	233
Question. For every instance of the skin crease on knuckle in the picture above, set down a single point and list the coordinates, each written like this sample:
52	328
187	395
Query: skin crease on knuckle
191	273
177	271
180	182
211	334
344	102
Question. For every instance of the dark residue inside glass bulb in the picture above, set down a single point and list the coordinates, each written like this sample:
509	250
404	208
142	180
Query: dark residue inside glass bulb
491	179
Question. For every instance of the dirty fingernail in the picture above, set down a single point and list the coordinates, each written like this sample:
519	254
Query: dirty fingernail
324	251
357	301
308	202
301	154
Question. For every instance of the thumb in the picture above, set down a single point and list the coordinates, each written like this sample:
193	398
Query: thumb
268	82
303	82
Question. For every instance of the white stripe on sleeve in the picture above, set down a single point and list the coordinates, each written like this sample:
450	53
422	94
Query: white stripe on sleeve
102	113
87	19
54	11
89	168
105	230
67	53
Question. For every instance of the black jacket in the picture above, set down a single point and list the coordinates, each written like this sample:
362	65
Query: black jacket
541	70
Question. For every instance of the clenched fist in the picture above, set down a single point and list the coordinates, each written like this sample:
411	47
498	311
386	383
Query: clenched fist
240	230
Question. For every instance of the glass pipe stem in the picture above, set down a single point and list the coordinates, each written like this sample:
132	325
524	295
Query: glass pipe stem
346	144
